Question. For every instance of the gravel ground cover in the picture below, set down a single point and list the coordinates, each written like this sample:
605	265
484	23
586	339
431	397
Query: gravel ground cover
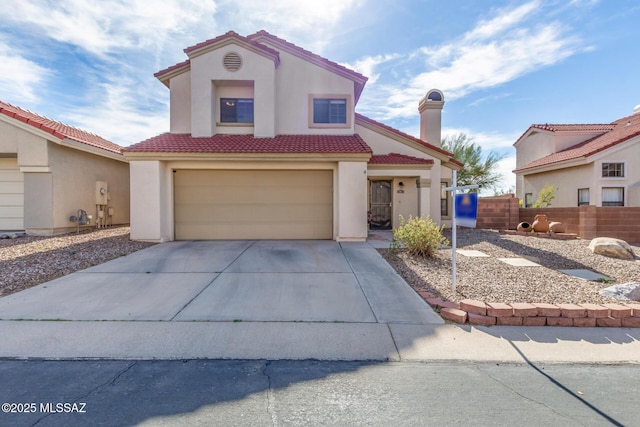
30	260
490	280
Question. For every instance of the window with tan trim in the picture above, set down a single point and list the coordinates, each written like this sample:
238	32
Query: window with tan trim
330	111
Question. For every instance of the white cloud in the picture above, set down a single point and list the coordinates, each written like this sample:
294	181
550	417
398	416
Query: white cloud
312	23
119	117
494	52
367	65
101	26
19	77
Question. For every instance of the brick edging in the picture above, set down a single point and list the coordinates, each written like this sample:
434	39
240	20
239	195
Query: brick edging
623	315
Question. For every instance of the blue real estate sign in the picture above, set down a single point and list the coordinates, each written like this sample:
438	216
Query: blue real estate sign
466	209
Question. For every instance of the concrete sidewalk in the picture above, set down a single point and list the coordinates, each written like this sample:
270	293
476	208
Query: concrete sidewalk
269	300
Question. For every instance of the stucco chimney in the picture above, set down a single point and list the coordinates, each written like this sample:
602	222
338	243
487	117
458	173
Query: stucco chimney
636	109
430	108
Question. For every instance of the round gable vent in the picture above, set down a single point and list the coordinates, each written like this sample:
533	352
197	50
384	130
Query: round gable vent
232	61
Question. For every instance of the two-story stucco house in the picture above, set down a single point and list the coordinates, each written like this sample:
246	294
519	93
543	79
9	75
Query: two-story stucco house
588	164
265	143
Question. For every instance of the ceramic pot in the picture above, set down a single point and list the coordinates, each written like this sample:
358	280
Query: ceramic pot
556	227
540	224
524	226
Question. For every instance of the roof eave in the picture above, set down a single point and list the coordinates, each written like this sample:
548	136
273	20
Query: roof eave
422	146
578	161
244	157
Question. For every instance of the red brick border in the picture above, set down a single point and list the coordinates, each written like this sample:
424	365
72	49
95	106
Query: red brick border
624	314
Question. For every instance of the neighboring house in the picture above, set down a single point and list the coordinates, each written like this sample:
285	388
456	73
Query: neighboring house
49	171
264	143
591	164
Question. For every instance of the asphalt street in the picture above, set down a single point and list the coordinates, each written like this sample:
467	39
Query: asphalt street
221	393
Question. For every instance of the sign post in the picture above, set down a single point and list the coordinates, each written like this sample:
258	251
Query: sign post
468	207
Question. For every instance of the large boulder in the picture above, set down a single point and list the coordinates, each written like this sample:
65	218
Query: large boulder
611	247
625	291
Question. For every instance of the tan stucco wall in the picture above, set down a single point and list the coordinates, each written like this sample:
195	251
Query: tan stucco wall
627	153
352	201
30	148
74	176
150	198
208	67
381	144
405	199
38	203
296	79
566	183
180	103
535	146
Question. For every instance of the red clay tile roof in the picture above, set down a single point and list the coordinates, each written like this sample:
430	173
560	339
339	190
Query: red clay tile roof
318	60
597	128
232	34
185	143
619	131
398	159
412	138
266	50
57	129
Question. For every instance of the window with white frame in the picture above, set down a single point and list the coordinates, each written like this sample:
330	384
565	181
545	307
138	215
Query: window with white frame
612	196
613	170
236	110
583	196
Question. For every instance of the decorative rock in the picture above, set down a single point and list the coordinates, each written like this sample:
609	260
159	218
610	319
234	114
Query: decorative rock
611	247
625	291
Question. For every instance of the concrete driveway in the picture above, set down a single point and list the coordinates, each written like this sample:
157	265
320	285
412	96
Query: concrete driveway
230	281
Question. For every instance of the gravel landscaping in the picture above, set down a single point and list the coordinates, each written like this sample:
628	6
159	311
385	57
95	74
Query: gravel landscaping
490	280
30	260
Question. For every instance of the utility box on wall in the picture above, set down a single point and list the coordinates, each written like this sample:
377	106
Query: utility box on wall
102	193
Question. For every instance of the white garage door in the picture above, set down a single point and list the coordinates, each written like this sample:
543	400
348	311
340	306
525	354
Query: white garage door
11	195
244	204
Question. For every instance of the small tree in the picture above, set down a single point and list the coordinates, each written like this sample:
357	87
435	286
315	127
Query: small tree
547	194
479	167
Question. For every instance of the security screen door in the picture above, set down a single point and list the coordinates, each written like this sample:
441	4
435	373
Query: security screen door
381	204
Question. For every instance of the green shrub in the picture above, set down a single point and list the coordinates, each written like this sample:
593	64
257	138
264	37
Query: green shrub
420	235
547	194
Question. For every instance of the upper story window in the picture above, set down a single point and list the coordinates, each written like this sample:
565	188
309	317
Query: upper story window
613	170
236	110
330	110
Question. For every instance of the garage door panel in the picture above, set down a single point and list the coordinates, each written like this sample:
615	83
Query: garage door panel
253	204
252	195
234	231
239	212
12	200
11	195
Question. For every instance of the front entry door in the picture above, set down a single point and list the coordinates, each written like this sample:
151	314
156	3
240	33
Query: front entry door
380	209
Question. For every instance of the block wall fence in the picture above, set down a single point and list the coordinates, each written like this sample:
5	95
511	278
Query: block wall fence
504	213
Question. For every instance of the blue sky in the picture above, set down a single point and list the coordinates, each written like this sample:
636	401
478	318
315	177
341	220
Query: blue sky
502	65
